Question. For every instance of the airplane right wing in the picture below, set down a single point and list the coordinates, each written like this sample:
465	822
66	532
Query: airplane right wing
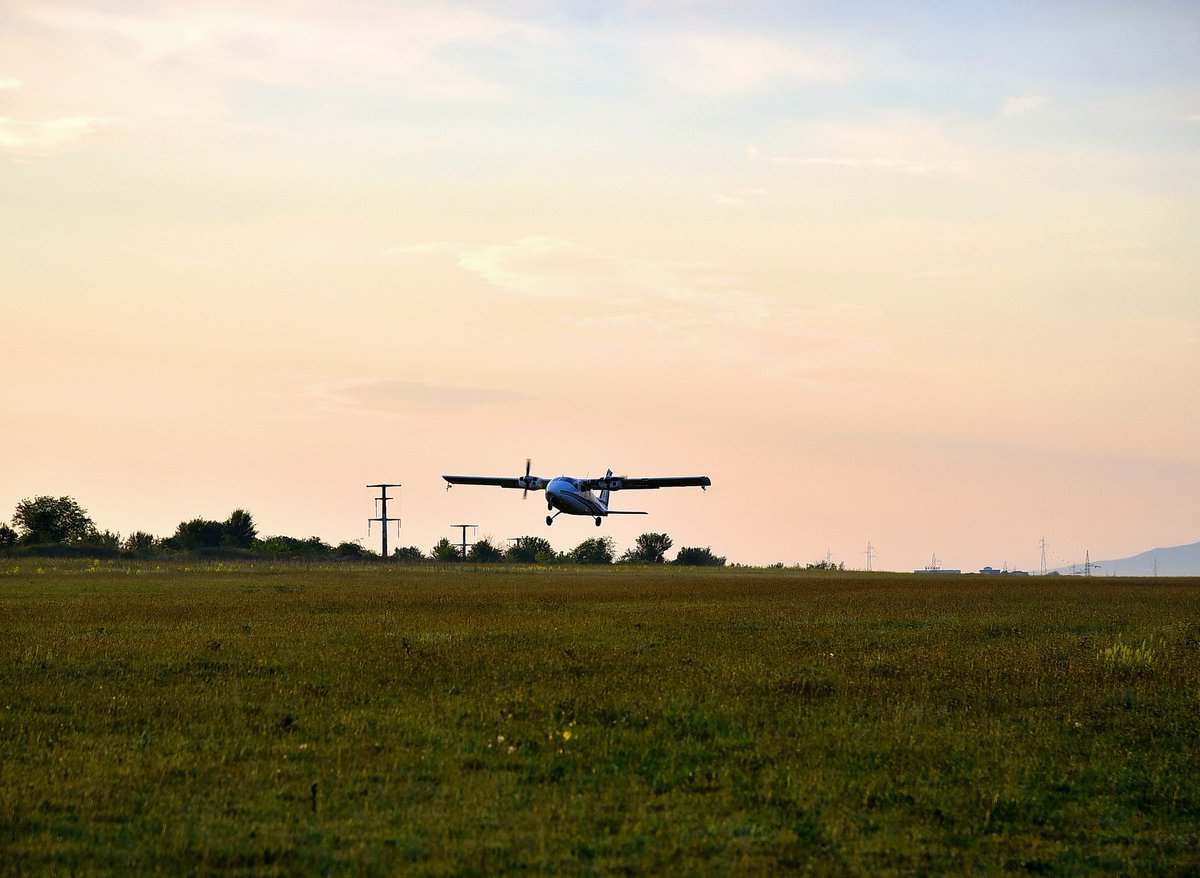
623	483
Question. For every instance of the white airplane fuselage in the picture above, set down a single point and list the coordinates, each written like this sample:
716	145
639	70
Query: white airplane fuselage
572	497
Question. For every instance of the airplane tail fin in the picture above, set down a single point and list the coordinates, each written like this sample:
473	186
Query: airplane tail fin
604	493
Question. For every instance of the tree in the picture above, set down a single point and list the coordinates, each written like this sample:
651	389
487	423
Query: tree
349	550
240	532
484	552
105	539
445	550
531	550
825	564
46	519
140	544
598	550
8	537
693	557
291	547
649	549
199	533
408	553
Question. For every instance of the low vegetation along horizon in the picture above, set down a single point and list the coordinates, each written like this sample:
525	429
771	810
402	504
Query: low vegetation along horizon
470	719
46	526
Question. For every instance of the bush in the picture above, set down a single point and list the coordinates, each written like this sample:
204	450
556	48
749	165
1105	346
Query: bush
693	557
649	549
598	550
484	552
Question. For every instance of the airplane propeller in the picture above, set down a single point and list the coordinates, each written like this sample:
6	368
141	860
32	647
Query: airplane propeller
525	482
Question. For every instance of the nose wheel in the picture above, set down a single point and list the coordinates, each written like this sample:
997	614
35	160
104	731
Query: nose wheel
597	522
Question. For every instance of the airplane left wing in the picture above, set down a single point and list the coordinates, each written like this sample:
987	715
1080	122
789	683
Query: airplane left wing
619	483
525	482
496	481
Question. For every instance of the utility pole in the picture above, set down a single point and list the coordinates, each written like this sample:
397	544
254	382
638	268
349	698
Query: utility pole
464	537
382	518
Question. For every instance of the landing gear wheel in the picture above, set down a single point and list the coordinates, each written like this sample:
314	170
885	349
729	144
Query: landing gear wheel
549	520
549	506
597	522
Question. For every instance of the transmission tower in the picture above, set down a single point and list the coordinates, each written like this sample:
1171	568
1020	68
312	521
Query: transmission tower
1043	545
870	553
464	536
382	517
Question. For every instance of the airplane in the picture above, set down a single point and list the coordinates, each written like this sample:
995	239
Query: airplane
574	496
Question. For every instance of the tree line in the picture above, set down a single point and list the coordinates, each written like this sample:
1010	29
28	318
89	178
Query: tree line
59	526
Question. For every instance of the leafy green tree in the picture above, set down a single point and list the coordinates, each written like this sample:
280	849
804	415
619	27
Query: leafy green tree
484	552
240	531
349	550
291	547
446	551
825	564
140	544
693	557
8	537
199	533
531	550
408	553
105	539
45	519
649	549
598	550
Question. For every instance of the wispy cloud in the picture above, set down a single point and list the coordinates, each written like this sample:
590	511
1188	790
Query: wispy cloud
897	143
695	303
420	249
1020	104
726	61
40	137
893	165
414	48
742	198
398	397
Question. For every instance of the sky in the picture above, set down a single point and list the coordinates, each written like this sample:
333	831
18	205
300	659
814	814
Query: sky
924	275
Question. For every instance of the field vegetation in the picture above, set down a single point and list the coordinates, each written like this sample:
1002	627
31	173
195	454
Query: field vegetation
469	719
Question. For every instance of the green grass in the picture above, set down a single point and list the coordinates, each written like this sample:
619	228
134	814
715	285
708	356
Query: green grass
427	720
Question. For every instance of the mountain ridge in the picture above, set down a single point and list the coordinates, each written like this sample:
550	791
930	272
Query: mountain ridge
1165	561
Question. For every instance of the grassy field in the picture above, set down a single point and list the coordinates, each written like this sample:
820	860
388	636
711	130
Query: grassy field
429	720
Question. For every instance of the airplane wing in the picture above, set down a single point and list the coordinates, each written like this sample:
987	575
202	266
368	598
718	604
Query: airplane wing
528	483
497	481
619	483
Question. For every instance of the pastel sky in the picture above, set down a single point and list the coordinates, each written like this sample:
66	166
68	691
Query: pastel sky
924	274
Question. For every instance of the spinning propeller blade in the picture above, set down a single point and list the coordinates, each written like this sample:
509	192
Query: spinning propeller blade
528	463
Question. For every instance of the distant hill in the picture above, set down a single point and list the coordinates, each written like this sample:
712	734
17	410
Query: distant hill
1172	561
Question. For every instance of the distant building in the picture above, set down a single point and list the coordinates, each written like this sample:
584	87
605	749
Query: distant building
935	566
1004	572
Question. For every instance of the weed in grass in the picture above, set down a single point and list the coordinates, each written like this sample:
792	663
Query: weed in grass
1121	657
